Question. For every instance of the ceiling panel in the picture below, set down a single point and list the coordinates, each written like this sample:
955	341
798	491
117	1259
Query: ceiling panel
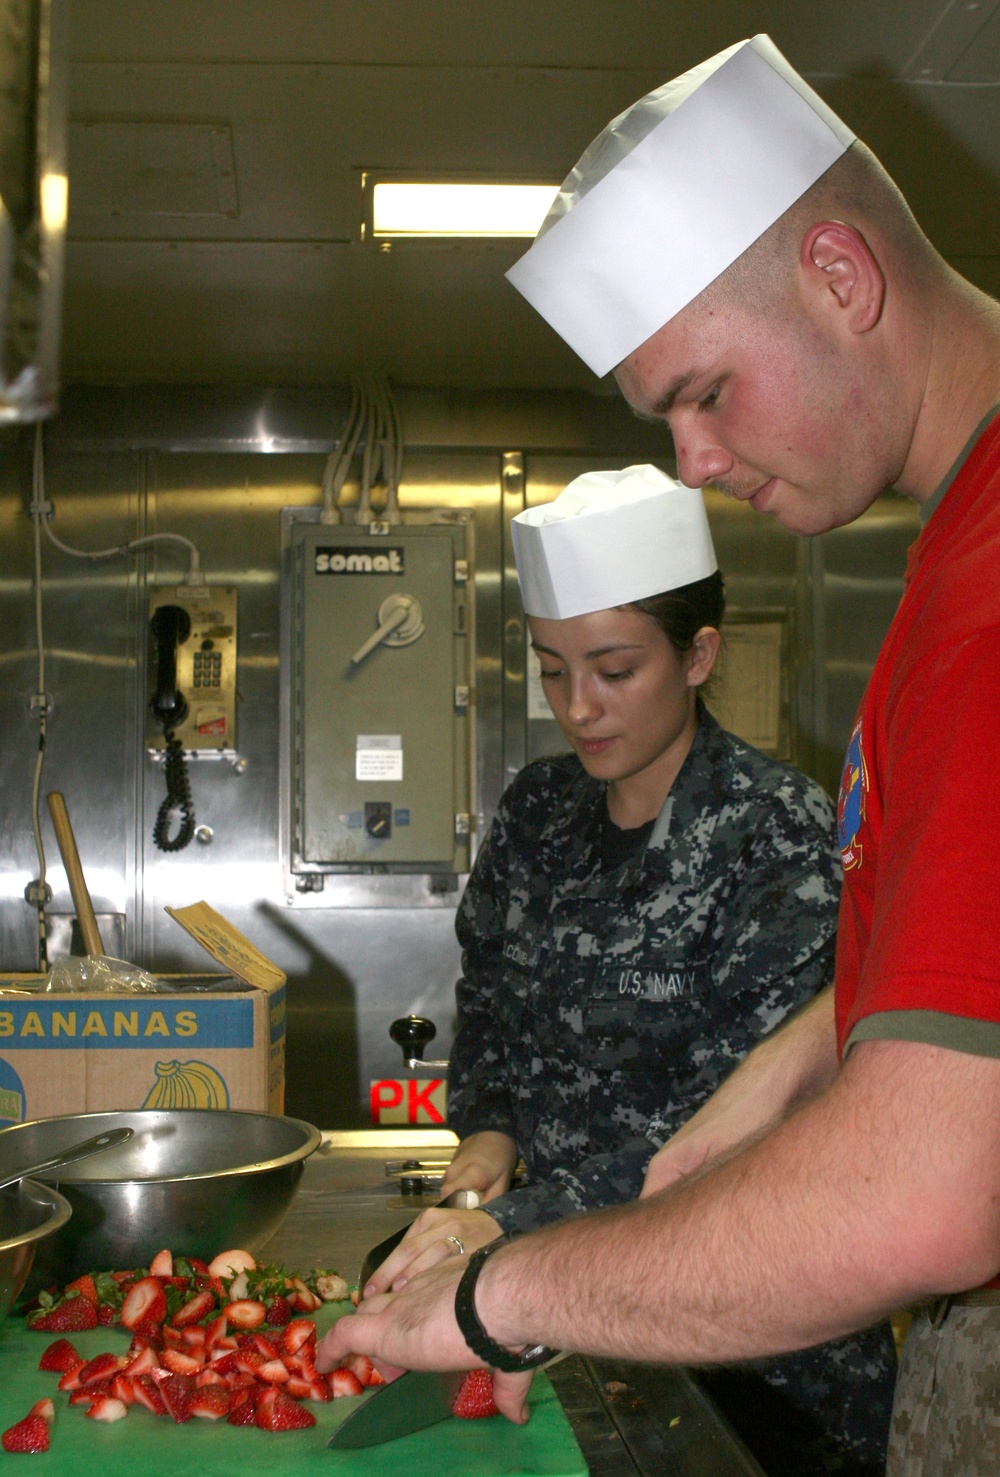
218	145
560	33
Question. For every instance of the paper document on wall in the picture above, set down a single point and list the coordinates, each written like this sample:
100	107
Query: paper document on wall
378	756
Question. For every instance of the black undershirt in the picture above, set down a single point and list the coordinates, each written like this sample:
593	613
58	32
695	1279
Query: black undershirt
618	845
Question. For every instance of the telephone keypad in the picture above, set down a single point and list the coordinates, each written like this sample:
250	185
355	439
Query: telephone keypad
207	669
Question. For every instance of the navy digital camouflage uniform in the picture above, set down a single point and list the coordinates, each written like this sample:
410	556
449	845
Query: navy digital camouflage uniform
599	1009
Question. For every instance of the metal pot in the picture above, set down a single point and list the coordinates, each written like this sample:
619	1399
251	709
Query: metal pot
197	1181
29	1212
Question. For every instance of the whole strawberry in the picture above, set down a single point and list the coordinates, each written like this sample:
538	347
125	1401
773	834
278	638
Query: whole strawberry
74	1315
475	1396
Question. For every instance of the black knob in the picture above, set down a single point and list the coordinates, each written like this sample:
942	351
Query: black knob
412	1033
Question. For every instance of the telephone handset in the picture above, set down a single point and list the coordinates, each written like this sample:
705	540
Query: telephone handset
170	626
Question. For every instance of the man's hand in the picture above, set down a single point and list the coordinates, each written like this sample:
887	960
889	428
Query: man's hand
484	1162
416	1329
425	1244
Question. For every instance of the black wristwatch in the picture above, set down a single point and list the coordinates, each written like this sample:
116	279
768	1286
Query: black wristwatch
475	1334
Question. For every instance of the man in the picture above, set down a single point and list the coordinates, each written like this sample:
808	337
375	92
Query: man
850	1165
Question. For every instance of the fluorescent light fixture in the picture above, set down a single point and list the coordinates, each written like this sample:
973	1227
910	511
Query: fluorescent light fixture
414	209
54	201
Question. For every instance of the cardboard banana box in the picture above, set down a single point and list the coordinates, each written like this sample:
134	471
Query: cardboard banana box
211	1041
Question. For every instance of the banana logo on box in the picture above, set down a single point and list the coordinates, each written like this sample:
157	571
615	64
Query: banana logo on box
187	1085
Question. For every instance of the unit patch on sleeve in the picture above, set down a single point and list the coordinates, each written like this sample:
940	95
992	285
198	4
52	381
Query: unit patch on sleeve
851	801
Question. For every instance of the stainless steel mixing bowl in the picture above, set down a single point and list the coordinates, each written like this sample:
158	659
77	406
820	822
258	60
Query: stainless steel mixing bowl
29	1212
197	1181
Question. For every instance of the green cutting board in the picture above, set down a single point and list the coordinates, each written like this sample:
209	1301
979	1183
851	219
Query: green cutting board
144	1445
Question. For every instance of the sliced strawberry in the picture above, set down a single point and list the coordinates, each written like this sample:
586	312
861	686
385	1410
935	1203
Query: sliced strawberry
226	1362
107	1409
211	1402
475	1396
209	1377
86	1397
29	1434
302	1299
194	1310
45	1408
355	1295
145	1302
85	1286
279	1312
242	1412
146	1360
273	1372
318	1389
197	1265
297	1334
277	1411
180	1363
231	1263
147	1393
264	1346
72	1316
122	1277
102	1367
376	1379
123	1389
248	1361
299	1388
71	1379
162	1265
239	1380
107	1316
361	1365
59	1357
246	1313
149	1331
214	1331
178	1394
344	1382
171	1338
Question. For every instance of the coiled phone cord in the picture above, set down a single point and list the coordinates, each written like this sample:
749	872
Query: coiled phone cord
178	797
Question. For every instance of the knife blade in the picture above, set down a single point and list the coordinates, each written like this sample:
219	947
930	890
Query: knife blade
459	1199
411	1403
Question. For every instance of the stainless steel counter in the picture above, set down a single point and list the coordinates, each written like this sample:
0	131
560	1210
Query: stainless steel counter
630	1420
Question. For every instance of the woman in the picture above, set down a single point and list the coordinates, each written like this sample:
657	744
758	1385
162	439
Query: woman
642	912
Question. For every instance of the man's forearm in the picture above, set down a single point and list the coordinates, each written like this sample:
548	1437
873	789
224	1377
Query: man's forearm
869	1197
798	1061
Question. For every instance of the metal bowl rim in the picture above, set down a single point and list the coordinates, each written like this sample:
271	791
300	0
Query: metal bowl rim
312	1141
60	1205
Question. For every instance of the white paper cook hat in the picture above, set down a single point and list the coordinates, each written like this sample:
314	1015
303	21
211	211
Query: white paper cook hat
671	193
609	538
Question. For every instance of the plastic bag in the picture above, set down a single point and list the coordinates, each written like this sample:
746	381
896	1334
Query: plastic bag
99	974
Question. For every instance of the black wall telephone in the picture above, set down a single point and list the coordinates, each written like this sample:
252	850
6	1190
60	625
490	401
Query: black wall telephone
170	627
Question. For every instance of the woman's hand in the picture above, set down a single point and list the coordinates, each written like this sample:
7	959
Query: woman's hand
483	1162
426	1243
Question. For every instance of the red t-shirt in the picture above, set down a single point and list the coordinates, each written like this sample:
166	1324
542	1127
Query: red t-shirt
919	809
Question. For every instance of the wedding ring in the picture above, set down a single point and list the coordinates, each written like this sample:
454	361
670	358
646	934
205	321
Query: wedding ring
456	1244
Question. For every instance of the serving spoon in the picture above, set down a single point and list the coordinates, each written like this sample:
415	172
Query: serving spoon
106	1140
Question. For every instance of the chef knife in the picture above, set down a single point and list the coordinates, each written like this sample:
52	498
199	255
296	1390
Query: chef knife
459	1200
411	1403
